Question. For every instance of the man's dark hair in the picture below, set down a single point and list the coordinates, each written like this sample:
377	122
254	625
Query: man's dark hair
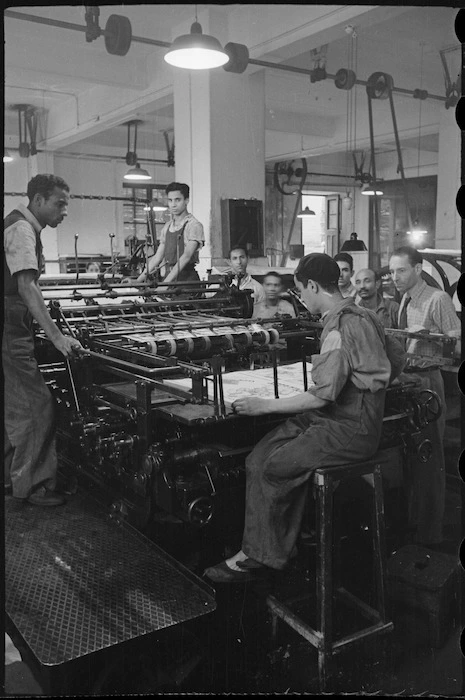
414	256
345	257
238	247
320	268
178	187
44	184
272	273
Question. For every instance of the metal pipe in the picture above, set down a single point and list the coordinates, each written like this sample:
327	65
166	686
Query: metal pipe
165	44
330	76
76	27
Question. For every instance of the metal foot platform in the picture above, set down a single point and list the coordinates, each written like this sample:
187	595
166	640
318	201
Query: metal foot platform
78	582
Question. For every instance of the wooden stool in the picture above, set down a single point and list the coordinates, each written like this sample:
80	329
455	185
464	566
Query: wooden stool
325	480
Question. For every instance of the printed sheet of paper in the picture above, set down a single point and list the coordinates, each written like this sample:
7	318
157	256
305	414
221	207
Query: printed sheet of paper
257	382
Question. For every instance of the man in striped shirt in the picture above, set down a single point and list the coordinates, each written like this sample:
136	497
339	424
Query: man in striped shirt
425	308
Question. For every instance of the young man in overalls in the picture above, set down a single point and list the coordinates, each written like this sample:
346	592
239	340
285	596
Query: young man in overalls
180	240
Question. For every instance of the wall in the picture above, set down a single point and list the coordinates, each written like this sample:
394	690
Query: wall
91	220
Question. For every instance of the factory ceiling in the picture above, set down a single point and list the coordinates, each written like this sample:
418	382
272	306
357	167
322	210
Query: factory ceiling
84	95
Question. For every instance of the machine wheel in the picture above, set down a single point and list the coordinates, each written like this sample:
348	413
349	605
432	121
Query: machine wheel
431	408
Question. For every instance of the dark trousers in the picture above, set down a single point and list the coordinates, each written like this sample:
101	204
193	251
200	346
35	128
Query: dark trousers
280	466
29	410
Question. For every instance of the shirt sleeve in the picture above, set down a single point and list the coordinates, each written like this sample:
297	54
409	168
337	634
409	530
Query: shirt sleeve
330	372
444	314
20	247
194	232
162	237
258	292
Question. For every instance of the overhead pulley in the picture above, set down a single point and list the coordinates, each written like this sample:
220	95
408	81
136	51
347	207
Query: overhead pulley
118	35
379	86
345	79
238	57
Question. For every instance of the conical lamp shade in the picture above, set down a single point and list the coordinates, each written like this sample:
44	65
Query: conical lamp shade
196	51
137	174
372	189
305	212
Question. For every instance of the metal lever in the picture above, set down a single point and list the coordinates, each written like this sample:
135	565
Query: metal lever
73	387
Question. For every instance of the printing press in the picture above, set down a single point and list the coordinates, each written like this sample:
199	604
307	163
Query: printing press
145	417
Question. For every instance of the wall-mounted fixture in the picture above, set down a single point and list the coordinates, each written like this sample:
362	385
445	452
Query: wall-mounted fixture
353	244
304	213
196	51
7	157
136	173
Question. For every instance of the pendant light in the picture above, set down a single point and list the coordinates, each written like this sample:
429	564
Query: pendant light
136	173
155	205
196	51
7	157
305	213
372	189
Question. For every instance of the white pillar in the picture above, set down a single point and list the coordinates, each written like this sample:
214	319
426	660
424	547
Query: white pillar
219	145
448	222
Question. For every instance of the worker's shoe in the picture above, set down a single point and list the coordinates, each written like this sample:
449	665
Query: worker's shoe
251	570
44	497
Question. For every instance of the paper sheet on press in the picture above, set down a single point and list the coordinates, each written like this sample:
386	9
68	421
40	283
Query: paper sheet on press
257	382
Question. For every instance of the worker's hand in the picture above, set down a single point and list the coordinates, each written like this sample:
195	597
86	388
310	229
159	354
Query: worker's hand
250	406
69	346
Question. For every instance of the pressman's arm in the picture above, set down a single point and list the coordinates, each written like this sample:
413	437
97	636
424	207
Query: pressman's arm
154	263
253	406
30	293
189	250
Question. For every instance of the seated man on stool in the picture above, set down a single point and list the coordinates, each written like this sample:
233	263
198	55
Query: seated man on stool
338	420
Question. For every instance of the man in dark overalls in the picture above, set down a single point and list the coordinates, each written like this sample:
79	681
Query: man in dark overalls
29	432
338	420
180	240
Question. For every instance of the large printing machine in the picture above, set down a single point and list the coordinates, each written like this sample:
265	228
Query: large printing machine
145	416
153	456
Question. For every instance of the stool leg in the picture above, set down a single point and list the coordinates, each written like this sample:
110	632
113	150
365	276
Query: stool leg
324	592
379	542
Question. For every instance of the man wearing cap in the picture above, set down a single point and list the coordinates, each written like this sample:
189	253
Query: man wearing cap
337	420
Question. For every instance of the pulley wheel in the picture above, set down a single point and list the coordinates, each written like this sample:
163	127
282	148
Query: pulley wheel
425	450
238	57
379	85
345	79
431	407
118	35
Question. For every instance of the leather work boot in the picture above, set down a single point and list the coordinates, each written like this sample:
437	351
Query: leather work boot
44	497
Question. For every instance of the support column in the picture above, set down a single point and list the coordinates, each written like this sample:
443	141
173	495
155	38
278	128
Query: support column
448	222
219	146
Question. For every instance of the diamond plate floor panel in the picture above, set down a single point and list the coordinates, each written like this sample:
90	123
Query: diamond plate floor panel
77	582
